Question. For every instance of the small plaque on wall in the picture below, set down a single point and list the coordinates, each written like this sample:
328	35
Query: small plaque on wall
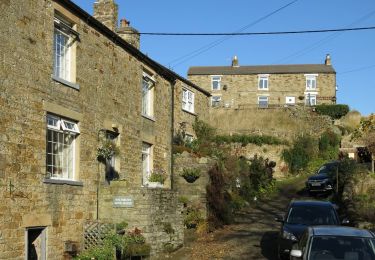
123	202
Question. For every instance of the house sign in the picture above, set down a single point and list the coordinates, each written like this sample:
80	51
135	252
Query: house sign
123	202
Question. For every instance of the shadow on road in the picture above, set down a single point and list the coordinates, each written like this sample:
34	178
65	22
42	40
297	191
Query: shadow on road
268	245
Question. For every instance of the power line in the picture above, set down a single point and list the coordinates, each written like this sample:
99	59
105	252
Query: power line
358	69
323	40
211	45
260	33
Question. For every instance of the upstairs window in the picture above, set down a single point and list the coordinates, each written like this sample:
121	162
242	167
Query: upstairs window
263	82
188	100
60	157
64	50
311	82
263	102
216	82
147	96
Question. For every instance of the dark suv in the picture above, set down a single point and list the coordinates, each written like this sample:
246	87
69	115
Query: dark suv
299	216
321	181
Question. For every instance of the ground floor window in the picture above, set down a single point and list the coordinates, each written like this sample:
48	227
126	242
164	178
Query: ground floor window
146	162
262	101
215	101
36	243
60	150
310	100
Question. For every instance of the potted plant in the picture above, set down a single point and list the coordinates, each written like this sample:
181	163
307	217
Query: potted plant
135	244
157	176
106	151
191	175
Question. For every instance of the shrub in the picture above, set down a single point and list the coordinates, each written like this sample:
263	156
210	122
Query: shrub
249	139
334	111
219	201
193	216
203	131
298	156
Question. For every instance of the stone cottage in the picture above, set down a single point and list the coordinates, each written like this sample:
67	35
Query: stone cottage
70	84
267	86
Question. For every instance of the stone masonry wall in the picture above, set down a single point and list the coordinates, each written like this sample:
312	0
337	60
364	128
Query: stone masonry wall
109	95
196	191
151	211
200	107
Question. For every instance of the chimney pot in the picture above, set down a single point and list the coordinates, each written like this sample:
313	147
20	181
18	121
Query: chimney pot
328	60
235	61
124	23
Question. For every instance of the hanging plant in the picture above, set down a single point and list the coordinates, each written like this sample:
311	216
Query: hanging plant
107	151
191	175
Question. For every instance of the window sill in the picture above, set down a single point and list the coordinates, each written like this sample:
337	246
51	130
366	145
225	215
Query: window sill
187	111
65	82
263	89
63	182
149	118
153	185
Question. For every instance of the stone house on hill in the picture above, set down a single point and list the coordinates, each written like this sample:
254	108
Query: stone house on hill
68	85
267	86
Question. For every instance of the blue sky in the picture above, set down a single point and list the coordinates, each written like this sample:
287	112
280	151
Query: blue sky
352	53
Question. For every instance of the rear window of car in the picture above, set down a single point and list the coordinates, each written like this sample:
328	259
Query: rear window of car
312	215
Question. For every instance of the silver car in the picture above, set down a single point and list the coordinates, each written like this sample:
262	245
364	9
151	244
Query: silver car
334	243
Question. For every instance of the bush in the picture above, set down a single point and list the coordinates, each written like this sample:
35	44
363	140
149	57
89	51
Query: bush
203	131
298	156
249	139
334	111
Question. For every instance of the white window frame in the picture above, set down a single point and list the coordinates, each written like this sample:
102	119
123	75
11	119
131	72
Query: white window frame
216	78
263	82
311	97
293	102
188	99
58	151
215	103
311	82
63	44
259	100
189	138
146	158
148	95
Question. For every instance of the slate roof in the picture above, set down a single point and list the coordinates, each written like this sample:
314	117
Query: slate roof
264	69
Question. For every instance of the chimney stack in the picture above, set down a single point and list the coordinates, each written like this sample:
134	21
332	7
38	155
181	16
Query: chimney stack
128	33
235	62
106	11
328	60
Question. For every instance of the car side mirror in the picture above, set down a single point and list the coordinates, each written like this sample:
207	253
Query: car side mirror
345	221
296	253
279	219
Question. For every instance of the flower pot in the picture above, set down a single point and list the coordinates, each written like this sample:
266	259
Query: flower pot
190	179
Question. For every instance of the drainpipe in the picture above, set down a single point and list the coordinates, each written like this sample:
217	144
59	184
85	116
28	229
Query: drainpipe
173	84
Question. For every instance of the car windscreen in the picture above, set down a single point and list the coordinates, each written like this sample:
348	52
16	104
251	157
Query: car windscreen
312	215
342	247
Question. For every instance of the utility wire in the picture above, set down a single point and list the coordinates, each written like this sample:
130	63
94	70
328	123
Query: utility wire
323	40
260	33
211	45
356	70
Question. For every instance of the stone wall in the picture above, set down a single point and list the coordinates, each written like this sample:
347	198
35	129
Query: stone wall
285	123
196	191
182	116
272	152
147	209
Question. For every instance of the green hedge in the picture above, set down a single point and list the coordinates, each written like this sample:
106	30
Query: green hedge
249	139
334	111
